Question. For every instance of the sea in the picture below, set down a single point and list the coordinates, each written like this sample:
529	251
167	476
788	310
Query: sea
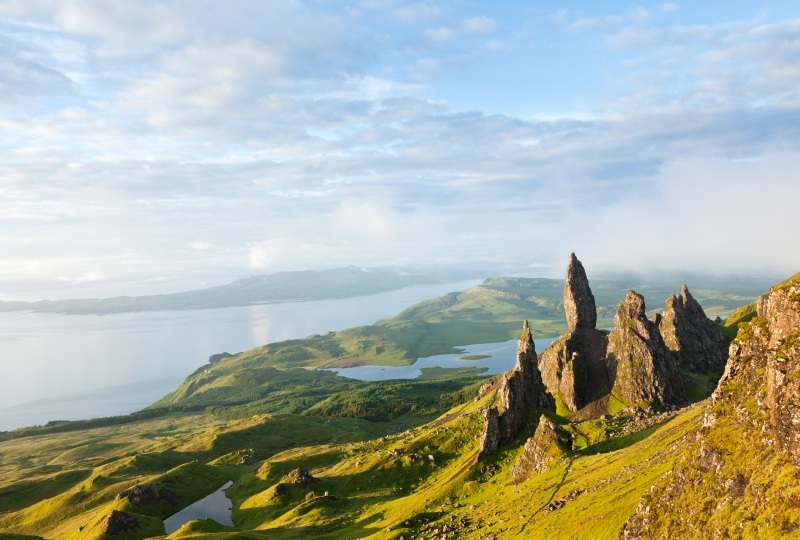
72	367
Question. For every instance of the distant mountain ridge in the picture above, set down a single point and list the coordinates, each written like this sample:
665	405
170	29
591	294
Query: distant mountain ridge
268	288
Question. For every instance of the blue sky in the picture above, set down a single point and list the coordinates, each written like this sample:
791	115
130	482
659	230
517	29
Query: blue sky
157	146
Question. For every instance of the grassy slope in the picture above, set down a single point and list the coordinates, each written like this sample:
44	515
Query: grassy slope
54	484
390	488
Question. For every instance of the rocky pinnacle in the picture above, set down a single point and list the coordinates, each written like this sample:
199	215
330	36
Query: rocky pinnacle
578	298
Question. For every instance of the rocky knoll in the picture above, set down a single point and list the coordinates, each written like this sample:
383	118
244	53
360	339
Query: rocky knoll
696	342
638	361
737	476
549	443
521	390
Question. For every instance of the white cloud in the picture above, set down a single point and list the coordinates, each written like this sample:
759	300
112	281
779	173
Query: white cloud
480	25
278	135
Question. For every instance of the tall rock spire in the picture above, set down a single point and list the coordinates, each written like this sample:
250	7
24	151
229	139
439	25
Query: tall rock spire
578	298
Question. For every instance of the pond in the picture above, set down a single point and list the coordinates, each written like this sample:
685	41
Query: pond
216	506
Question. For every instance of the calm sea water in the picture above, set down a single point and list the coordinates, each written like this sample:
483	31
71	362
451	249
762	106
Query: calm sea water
70	367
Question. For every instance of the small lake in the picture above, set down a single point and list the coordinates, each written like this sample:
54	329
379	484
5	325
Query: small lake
71	367
216	506
501	357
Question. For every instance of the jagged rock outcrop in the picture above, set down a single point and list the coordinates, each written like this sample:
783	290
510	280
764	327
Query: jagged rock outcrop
121	522
695	341
578	298
521	390
638	361
549	443
147	495
736	476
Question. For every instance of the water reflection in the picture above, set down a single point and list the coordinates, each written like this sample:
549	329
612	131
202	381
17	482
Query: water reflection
216	506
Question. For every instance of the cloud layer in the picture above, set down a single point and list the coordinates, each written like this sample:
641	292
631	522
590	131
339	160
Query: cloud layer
155	146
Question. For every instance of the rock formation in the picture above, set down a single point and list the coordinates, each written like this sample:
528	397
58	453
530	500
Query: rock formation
578	298
695	341
736	476
638	361
573	365
549	443
521	390
490	439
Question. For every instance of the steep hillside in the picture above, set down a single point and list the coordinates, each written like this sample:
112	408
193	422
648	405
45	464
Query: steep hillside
740	474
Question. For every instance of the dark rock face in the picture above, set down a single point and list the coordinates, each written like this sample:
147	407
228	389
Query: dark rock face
121	522
146	495
638	360
578	298
574	366
521	390
743	461
696	342
549	443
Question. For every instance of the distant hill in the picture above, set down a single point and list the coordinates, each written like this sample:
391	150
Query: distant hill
262	289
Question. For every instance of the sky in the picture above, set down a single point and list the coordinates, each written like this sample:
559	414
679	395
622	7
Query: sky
155	146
